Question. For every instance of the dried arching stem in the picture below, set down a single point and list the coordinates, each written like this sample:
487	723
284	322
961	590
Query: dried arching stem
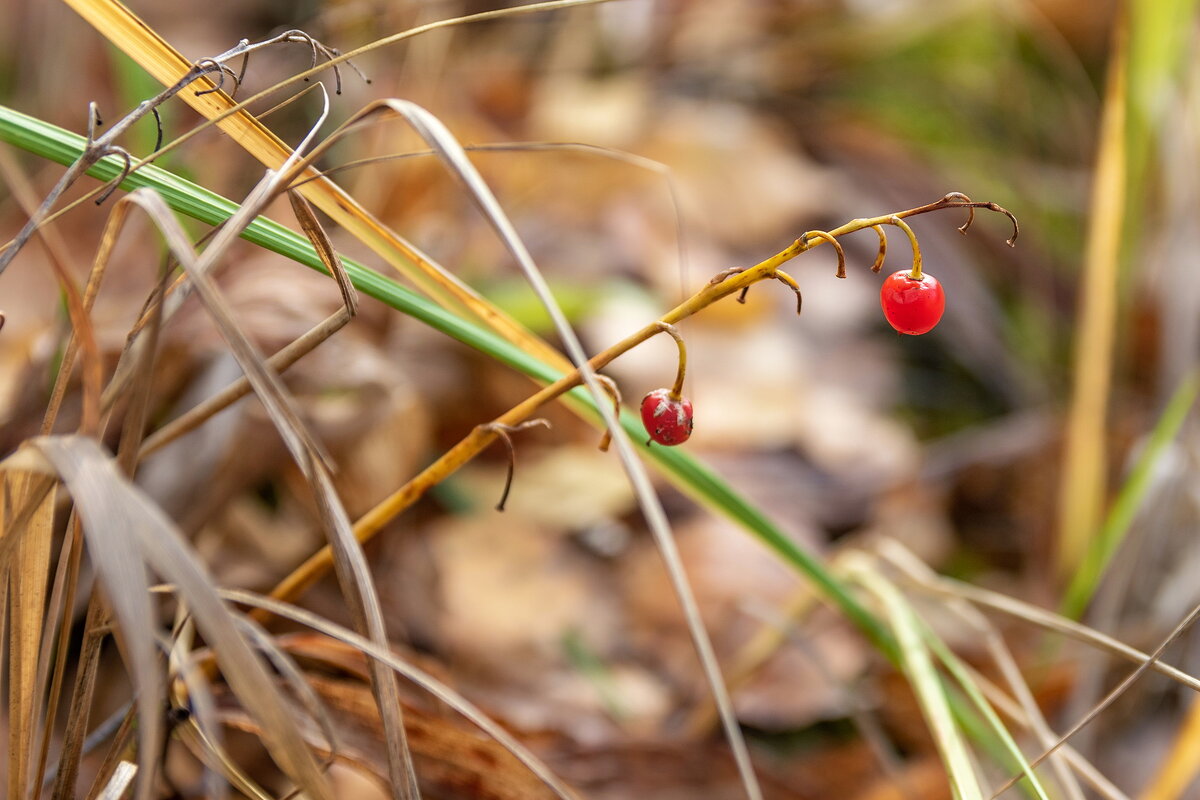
960	200
244	48
221	71
1019	609
99	147
337	59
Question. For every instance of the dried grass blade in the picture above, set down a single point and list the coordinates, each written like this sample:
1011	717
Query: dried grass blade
313	230
82	333
350	564
985	598
113	757
266	383
27	583
120	521
75	735
116	786
450	151
60	608
354	575
1025	702
1081	488
82	338
198	700
292	674
209	752
1115	693
133	426
1029	717
125	582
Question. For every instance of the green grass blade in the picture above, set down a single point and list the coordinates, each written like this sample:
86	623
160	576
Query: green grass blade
689	474
1129	499
917	664
958	671
1160	43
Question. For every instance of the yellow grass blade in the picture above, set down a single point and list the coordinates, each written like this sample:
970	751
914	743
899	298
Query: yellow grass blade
1081	490
1179	768
125	30
26	503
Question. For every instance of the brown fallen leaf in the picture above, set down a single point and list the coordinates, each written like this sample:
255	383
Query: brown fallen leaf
451	761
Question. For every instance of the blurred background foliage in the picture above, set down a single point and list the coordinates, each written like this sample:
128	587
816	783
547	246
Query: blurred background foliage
768	118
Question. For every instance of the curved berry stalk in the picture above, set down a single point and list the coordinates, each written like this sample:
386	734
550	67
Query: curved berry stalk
504	433
666	413
912	300
610	386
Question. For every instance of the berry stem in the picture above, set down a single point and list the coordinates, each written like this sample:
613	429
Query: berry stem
730	282
677	389
504	433
609	386
915	274
790	282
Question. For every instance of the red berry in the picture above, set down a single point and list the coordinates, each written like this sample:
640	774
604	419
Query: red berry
912	306
668	419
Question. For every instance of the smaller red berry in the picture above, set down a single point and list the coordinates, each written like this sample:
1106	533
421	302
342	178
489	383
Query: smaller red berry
912	305
668	419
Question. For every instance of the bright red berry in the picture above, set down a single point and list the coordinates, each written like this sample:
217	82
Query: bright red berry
912	305
668	419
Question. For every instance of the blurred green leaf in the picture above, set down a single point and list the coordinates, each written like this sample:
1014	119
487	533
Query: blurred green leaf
1129	499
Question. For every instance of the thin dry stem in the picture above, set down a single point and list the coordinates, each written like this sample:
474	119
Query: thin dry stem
614	392
504	433
279	363
1112	696
83	334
